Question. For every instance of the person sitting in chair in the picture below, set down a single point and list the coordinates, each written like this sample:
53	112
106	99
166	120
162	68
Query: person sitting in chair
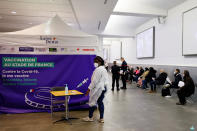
187	89
150	77
136	74
142	77
160	80
177	78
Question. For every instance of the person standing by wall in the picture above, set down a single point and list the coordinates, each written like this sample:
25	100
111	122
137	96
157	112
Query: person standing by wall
115	76
123	72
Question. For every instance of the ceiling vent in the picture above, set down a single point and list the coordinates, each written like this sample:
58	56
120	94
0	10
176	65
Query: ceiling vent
161	20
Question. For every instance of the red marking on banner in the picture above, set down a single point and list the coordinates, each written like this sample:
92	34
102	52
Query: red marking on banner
88	49
32	90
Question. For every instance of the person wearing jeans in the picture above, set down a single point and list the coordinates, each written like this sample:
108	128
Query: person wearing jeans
100	106
97	89
144	84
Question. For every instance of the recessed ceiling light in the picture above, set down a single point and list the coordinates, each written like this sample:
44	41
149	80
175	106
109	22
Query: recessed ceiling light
70	24
13	12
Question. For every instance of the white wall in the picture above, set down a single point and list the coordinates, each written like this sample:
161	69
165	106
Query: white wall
114	48
168	41
128	49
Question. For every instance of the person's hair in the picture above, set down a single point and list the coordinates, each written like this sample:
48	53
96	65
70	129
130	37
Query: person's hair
137	67
114	62
99	59
178	70
141	67
146	69
186	75
151	68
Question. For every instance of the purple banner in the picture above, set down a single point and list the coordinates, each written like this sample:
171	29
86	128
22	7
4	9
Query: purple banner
27	79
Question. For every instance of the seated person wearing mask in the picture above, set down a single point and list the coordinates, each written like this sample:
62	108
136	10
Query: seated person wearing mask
177	78
97	89
115	76
187	89
160	80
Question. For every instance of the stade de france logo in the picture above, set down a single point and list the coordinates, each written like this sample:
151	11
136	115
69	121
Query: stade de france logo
49	40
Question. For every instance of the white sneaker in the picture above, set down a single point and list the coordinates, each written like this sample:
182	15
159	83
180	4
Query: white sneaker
87	119
168	96
101	120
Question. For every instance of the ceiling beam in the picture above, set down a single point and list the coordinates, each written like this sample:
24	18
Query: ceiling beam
137	14
143	11
115	36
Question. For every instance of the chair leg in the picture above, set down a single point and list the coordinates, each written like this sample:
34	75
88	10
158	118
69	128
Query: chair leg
51	106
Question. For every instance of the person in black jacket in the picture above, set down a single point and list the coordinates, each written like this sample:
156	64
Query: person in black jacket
177	78
131	70
141	71
123	72
187	90
160	80
150	77
115	76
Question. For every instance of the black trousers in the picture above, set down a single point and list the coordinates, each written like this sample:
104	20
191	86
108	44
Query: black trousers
182	94
115	79
123	77
131	78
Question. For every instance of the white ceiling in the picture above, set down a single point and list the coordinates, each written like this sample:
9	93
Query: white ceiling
90	16
130	14
93	14
123	25
32	12
159	4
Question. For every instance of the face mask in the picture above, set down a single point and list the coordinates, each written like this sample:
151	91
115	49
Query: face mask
96	65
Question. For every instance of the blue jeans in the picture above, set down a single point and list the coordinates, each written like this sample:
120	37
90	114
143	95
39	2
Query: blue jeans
153	85
136	78
100	106
144	84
